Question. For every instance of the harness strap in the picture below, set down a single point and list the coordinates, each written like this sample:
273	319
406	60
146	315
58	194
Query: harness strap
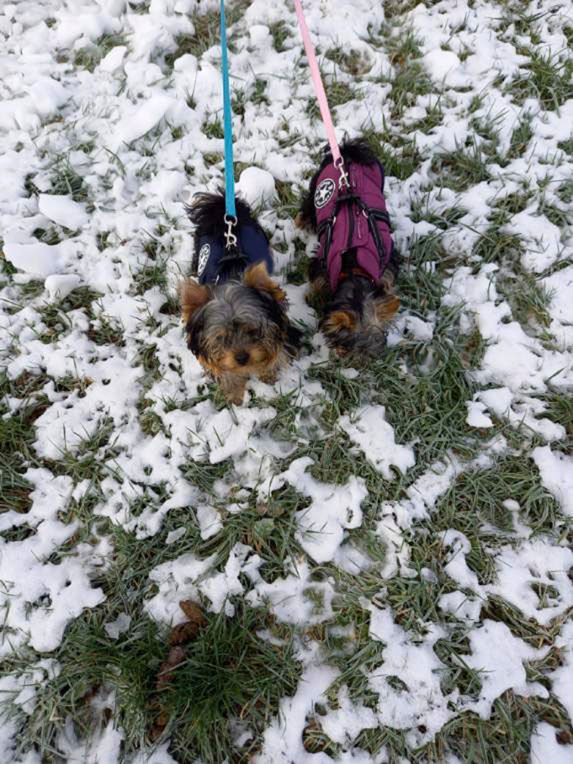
371	214
321	96
233	256
381	215
230	210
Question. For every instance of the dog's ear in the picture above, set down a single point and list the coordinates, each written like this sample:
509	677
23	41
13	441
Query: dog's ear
192	296
387	307
257	277
340	321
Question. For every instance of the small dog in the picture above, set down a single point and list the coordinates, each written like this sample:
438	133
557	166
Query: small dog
235	314
355	268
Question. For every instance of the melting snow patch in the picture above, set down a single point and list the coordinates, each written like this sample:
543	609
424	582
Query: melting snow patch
256	186
535	578
347	722
562	677
297	598
408	682
502	668
476	415
543	240
374	436
63	211
545	749
456	567
556	470
333	509
226	435
37	259
282	740
59	287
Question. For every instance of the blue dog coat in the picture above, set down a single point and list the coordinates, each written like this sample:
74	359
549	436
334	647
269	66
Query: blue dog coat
252	244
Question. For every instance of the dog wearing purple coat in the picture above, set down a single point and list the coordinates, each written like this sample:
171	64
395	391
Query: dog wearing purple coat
354	271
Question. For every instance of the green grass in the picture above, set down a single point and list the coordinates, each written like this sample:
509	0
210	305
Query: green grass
409	79
352	62
400	160
213	128
206	32
546	78
234	674
560	409
280	34
520	138
528	299
462	168
227	673
66	180
237	669
297	270
16	438
55	315
338	93
90	56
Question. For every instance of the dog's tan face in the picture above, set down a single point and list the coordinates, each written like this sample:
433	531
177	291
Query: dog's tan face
361	332
238	329
356	317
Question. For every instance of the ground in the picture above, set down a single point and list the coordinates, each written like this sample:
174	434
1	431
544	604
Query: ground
374	561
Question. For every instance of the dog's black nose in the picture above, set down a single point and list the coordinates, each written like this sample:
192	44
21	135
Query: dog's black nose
242	357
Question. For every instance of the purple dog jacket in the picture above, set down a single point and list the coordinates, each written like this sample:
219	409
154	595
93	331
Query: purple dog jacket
353	217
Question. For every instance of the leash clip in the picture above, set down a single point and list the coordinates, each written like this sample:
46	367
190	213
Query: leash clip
230	238
343	181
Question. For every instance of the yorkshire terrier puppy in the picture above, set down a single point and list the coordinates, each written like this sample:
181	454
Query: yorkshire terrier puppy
234	313
355	268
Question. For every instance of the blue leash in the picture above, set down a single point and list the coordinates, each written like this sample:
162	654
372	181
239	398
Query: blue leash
230	209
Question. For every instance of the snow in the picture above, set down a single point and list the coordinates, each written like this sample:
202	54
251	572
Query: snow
333	509
522	574
543	240
476	415
440	64
100	156
345	724
418	668
545	747
371	432
289	596
143	119
36	259
556	470
63	210
59	287
119	626
282	741
256	186
502	668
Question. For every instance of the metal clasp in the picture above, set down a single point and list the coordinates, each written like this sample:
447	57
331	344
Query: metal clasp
343	181
230	238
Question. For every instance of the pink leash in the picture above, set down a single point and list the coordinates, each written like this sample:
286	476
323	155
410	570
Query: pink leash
320	94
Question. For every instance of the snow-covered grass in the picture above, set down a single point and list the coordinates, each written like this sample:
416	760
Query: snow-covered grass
374	563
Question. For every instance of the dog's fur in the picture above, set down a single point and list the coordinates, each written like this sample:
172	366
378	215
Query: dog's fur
355	317
238	328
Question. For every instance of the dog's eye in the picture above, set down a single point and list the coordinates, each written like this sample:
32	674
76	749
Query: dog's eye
253	334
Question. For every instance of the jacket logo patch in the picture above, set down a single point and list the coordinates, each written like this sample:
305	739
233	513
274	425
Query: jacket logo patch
204	253
323	193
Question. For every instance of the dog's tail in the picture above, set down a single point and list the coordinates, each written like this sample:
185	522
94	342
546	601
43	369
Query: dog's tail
358	151
207	213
